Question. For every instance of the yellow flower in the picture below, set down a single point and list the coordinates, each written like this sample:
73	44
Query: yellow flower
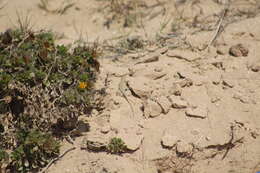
82	85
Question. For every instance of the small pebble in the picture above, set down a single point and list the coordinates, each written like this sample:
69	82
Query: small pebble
238	50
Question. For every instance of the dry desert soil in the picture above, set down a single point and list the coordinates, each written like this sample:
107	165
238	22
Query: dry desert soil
181	81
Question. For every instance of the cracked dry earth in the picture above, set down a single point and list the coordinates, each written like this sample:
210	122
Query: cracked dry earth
184	109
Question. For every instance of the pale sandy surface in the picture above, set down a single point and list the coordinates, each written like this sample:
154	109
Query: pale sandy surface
224	89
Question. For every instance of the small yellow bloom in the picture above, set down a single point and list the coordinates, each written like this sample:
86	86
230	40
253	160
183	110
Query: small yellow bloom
82	85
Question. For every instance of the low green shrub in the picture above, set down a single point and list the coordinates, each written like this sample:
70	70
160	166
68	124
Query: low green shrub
116	146
43	89
34	150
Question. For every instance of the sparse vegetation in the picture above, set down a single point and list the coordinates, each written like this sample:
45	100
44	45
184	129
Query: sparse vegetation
127	12
34	149
43	89
131	43
116	146
3	156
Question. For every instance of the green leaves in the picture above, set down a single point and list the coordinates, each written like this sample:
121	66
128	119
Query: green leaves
41	79
35	60
3	156
5	78
34	149
116	146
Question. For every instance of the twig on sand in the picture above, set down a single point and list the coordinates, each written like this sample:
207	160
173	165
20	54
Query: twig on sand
227	146
54	160
231	144
121	86
218	29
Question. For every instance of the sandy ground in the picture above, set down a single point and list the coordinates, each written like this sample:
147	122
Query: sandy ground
182	103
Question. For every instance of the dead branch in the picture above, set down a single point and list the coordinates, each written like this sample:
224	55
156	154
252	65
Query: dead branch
227	146
219	27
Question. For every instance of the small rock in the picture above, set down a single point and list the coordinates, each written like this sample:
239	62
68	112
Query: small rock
216	81
94	142
196	112
183	147
238	50
182	75
178	103
152	48
242	98
141	123
176	89
151	58
134	55
168	140
153	108
105	129
198	83
220	52
164	103
228	83
215	99
185	82
218	64
163	50
116	100
216	78
255	67
132	140
139	85
103	170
